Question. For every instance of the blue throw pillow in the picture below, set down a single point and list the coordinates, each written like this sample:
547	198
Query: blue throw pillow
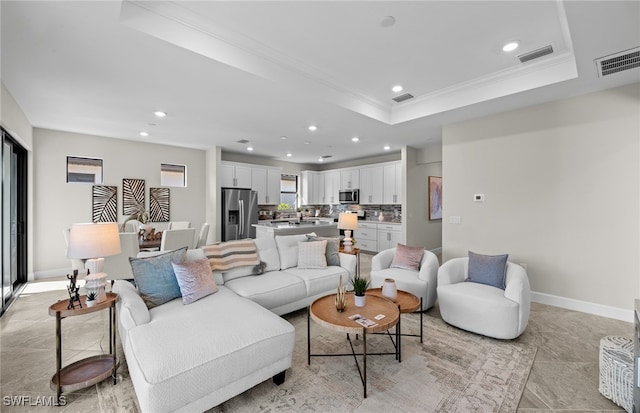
488	269
155	278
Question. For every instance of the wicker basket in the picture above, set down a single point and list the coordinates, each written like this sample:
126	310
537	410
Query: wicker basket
616	370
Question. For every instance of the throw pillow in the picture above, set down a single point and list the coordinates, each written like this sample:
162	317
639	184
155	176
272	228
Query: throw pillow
288	249
268	252
232	254
311	255
195	280
408	258
155	278
333	248
488	269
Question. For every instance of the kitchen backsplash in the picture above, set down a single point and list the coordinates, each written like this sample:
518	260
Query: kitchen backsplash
390	213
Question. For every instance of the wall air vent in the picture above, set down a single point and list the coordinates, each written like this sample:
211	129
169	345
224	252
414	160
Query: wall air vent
404	97
243	141
543	51
618	62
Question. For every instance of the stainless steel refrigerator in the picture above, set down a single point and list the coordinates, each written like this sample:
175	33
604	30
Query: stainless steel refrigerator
239	212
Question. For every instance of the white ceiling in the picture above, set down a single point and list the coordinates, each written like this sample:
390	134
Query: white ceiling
226	71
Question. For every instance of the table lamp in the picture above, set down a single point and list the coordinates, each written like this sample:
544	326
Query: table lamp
93	242
348	222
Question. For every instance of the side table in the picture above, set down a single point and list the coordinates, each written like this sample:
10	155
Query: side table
91	370
354	251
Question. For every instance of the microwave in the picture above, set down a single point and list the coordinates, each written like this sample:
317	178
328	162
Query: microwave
349	196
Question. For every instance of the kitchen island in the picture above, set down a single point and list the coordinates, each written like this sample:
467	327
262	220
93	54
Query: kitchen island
321	228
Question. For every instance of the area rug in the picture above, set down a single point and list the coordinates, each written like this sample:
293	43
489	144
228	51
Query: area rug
452	371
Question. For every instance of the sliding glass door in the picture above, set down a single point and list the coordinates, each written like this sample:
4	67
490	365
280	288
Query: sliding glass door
13	163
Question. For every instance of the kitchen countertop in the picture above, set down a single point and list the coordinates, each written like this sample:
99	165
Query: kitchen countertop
285	224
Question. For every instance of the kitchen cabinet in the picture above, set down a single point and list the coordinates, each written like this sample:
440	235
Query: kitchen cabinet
235	175
388	236
371	190
366	236
350	178
392	183
331	187
312	188
266	182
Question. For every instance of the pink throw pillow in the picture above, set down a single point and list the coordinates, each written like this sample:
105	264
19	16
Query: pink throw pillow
408	258
195	279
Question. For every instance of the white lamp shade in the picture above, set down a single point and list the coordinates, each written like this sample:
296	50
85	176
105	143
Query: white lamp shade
347	220
93	240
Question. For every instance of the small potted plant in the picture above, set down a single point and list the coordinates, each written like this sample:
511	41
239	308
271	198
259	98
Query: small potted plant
360	286
91	298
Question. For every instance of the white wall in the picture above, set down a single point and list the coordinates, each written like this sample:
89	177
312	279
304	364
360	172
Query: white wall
13	119
561	182
420	164
58	204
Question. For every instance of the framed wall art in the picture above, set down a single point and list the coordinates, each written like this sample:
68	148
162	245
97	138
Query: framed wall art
132	196
159	204
104	203
435	197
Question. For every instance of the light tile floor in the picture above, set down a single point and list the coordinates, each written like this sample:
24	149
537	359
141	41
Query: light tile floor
564	377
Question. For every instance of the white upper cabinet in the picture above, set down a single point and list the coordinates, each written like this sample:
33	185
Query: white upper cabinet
331	187
371	185
235	175
266	182
312	188
392	183
350	178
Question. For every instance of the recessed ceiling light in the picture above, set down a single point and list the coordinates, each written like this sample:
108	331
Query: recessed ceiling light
355	139
388	21
387	147
313	128
144	133
320	160
283	137
307	142
160	114
249	148
510	47
397	88
289	154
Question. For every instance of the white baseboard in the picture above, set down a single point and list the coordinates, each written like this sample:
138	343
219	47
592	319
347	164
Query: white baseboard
583	306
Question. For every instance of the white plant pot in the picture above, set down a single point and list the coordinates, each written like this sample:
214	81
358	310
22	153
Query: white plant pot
91	303
359	300
389	289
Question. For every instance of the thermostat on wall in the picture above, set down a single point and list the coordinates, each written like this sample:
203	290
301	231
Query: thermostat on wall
478	197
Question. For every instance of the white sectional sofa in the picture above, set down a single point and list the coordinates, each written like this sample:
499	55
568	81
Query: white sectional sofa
193	357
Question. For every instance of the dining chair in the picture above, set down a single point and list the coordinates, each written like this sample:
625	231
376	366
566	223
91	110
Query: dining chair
179	225
204	233
177	238
117	266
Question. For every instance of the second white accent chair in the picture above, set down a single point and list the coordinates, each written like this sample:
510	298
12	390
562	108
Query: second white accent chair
420	283
204	233
117	267
177	238
179	225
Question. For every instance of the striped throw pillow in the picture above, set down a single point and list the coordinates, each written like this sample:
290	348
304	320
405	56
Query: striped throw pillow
232	254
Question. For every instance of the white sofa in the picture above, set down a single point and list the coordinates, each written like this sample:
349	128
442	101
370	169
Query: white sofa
194	357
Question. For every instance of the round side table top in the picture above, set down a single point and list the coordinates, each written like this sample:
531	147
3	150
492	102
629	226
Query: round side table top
408	302
323	311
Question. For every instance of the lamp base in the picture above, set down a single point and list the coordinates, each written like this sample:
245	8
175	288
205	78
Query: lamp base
347	240
96	282
95	265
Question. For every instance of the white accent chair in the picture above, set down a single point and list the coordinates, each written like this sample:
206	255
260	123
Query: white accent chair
132	226
481	308
177	238
204	233
420	283
179	225
117	267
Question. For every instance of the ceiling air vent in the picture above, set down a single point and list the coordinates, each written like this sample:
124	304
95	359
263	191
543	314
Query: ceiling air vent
326	156
618	62
243	141
404	97
543	51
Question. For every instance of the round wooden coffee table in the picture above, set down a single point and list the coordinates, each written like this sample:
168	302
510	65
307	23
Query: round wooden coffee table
323	311
408	303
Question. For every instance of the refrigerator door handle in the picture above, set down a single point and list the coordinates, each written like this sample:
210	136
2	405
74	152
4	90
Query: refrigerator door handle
241	204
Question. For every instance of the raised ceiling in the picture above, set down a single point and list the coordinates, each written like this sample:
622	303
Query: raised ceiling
258	71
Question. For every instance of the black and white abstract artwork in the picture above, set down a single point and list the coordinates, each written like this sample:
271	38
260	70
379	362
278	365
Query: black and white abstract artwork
159	204
132	196
105	203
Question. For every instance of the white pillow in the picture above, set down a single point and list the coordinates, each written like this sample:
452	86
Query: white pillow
288	249
311	254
